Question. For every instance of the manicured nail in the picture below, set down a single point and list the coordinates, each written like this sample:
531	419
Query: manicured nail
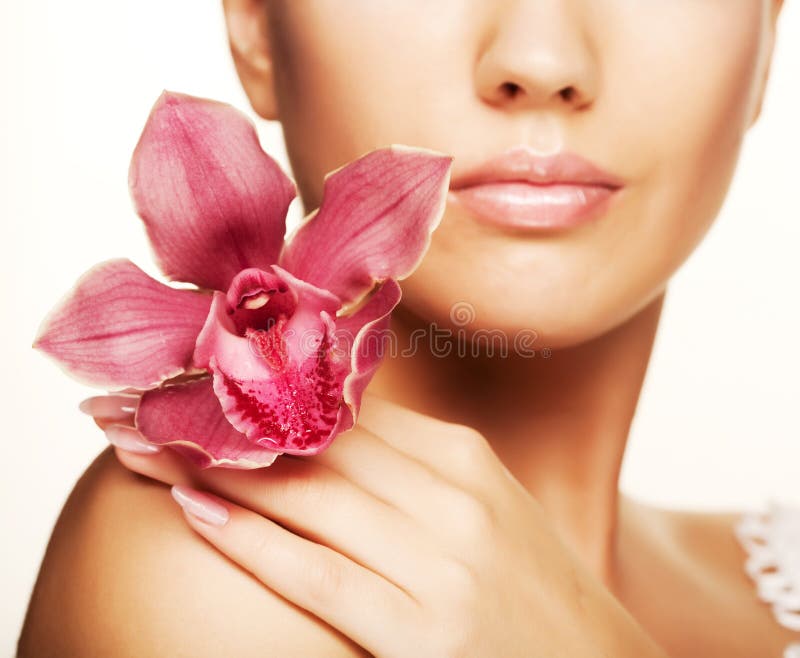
200	505
129	439
113	407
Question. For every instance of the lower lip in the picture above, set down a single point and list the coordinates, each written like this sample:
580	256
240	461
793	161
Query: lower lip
534	206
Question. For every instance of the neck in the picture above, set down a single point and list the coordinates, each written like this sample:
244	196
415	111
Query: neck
559	423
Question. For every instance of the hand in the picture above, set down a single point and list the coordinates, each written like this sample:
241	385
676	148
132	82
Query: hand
408	534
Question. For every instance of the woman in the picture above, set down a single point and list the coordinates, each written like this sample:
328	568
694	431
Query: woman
474	510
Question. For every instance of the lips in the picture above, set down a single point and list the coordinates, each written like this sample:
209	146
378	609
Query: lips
521	190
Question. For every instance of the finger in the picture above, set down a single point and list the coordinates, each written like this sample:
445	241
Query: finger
154	461
393	476
455	451
109	406
315	502
344	594
107	409
422	437
128	439
105	423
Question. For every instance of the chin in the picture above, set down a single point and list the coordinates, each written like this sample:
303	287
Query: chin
555	312
524	324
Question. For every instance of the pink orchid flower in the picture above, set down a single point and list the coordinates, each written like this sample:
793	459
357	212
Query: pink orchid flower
272	350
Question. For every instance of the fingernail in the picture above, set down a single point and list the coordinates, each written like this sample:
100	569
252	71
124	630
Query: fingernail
108	406
129	439
200	505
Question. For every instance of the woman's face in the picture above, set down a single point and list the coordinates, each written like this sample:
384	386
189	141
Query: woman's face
661	95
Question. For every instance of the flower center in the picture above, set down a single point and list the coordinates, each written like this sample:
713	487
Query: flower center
257	299
269	343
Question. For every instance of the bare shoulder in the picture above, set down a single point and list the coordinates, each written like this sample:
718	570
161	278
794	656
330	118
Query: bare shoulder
708	537
123	575
707	603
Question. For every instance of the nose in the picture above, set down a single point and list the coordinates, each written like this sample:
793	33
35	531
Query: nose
537	54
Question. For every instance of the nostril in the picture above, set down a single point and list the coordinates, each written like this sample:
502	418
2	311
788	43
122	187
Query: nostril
510	89
568	94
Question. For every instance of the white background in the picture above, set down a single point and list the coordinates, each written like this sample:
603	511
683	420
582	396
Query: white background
718	423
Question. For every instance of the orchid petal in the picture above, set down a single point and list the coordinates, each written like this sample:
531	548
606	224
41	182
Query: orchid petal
374	222
188	418
364	335
212	200
119	328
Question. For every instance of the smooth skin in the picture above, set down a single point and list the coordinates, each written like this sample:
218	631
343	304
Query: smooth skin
474	510
439	550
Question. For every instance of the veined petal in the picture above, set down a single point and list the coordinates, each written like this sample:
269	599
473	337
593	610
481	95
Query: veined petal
119	328
374	222
213	201
188	418
365	334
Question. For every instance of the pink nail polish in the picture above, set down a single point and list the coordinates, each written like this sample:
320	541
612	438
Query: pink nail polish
129	439
200	505
113	407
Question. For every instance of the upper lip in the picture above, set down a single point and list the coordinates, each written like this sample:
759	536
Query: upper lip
520	163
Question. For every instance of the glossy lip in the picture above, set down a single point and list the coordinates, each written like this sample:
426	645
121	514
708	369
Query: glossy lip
521	190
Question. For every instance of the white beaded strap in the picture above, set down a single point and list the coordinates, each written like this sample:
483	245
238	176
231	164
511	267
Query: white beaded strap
772	541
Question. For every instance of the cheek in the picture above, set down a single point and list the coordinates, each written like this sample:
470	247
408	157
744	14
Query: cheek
688	112
685	117
352	76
